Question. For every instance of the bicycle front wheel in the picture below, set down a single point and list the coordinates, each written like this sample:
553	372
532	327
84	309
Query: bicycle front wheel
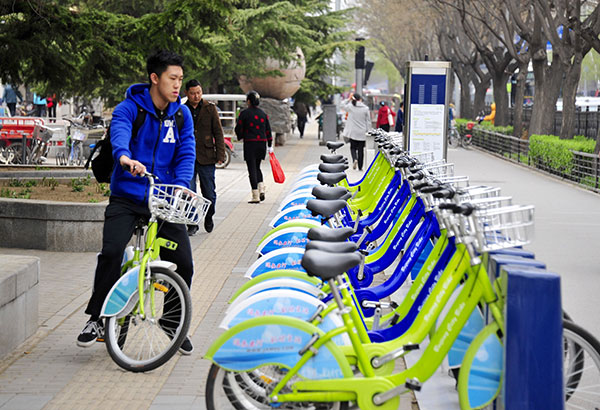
453	138
142	343
581	367
250	390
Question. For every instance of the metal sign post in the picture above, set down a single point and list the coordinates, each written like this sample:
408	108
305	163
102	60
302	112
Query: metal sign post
426	107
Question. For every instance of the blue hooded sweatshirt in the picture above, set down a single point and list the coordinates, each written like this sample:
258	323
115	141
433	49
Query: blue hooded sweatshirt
159	145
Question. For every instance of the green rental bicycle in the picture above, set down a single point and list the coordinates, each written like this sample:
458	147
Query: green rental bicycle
288	363
148	311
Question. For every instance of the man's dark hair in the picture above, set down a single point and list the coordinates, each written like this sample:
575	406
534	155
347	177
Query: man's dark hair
158	62
192	83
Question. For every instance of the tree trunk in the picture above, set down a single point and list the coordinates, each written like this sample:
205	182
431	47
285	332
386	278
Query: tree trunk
548	80
466	106
479	100
501	97
519	95
573	74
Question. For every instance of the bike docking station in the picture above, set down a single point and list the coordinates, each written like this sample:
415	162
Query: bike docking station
312	329
427	99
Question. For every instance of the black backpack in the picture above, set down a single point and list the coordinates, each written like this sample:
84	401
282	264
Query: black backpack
103	163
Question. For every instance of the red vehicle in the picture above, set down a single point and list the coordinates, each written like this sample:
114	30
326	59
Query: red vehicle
12	131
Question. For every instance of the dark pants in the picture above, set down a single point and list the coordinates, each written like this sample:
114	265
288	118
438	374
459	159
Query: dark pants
357	150
206	174
254	153
52	112
301	125
119	223
385	127
12	107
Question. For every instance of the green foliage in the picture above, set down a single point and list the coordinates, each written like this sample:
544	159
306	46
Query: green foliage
50	182
79	184
556	153
97	48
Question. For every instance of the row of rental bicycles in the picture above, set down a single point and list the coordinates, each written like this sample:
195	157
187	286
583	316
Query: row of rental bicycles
314	327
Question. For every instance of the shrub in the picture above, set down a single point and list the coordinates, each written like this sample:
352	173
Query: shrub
557	154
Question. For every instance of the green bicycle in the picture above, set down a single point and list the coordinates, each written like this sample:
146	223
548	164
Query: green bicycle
148	311
288	363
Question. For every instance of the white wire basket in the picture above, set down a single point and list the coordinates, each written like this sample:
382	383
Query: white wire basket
500	228
472	193
176	204
439	170
423	157
458	182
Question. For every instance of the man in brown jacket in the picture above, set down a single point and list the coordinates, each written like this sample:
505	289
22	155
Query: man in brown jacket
210	148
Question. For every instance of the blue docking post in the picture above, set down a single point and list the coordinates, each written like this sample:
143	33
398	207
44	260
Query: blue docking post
533	340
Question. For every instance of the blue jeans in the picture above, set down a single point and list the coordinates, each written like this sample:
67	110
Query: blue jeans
206	173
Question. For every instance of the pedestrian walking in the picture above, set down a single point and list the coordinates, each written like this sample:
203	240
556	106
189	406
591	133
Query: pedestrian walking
10	97
51	106
210	148
400	118
357	125
385	117
40	105
254	129
158	146
302	113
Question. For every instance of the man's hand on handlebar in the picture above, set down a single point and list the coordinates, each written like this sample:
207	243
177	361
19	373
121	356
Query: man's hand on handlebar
135	167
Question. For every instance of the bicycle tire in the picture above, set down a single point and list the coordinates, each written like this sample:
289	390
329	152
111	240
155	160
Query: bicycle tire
248	391
581	371
453	138
227	159
133	355
466	142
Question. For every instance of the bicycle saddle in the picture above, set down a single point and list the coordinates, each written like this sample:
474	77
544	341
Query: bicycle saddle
330	192
333	158
327	265
324	207
333	247
334	145
323	233
332	167
331	178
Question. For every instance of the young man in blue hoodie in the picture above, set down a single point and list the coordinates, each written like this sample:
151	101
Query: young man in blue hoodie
162	149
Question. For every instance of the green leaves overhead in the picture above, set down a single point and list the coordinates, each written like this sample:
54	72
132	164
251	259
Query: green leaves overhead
96	48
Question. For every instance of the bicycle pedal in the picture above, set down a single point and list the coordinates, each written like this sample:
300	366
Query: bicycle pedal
411	346
413	384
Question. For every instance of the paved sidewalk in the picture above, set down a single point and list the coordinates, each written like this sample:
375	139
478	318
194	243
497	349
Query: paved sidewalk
50	372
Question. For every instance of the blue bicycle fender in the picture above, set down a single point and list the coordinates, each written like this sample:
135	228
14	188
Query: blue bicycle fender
285	258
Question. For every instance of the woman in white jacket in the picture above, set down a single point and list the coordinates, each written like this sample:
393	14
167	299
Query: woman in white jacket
357	125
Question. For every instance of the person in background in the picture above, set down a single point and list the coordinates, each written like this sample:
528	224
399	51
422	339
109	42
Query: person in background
210	148
385	117
253	127
491	116
400	118
51	106
302	113
40	105
10	97
357	125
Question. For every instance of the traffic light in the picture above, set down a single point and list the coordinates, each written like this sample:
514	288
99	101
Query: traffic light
368	68
359	57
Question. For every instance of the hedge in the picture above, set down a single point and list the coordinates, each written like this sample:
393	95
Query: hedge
552	152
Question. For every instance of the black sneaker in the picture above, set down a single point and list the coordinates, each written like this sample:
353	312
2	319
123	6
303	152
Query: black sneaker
186	347
92	331
209	224
192	229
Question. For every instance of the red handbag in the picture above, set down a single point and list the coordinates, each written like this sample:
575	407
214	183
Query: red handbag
278	174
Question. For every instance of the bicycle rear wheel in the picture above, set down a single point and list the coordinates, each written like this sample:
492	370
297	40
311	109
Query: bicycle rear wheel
581	367
453	138
141	344
250	390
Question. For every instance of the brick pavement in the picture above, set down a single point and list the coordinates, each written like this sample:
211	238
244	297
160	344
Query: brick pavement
49	371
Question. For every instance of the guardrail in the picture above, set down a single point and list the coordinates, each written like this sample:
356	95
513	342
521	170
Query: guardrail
584	169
